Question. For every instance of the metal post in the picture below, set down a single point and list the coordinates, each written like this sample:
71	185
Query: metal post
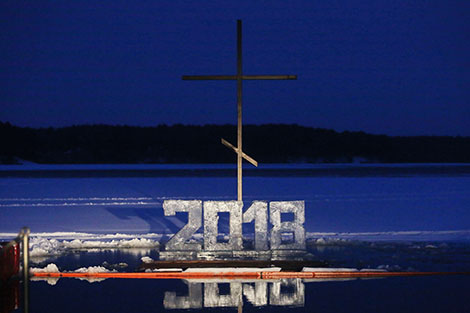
239	109
25	234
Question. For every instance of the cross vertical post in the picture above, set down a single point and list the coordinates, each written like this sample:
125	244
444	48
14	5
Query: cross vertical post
239	78
239	111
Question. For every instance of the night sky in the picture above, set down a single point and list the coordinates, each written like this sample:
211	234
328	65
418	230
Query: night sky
384	67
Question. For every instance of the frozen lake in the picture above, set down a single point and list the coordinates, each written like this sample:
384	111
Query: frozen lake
392	217
339	198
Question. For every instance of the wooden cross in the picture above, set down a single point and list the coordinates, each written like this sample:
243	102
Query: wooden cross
239	78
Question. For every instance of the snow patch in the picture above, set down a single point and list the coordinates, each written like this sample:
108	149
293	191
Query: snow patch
324	241
50	268
146	259
113	244
41	247
93	269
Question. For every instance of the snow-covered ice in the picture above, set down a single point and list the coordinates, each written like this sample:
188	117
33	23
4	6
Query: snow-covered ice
43	246
333	204
98	213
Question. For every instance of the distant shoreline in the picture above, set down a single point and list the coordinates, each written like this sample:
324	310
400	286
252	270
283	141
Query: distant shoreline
186	144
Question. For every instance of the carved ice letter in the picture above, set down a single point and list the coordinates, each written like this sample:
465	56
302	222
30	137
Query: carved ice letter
194	209
296	226
258	212
211	218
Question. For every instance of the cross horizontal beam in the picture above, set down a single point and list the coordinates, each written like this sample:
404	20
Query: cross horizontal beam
244	155
235	77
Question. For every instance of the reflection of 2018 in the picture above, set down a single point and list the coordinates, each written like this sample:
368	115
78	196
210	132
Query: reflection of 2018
257	212
281	293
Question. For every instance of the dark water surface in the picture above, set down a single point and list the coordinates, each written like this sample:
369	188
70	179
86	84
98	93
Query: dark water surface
416	294
396	294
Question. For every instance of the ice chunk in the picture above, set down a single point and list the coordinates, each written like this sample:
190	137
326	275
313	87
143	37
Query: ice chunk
93	269
146	259
50	268
40	247
157	270
119	265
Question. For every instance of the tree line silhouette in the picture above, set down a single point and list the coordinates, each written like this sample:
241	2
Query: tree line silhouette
270	143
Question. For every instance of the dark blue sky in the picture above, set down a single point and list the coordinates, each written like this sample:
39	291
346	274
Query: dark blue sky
388	67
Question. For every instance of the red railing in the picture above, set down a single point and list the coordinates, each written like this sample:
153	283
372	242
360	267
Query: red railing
9	260
10	256
10	272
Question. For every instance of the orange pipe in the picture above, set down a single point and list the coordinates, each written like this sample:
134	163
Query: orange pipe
159	275
244	275
362	274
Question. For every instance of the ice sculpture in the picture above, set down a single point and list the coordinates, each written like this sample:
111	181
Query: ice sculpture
180	247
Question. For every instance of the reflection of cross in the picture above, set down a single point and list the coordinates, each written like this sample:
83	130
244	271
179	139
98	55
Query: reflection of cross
239	78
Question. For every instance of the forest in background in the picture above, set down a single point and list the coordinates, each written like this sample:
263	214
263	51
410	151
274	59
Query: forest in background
270	143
